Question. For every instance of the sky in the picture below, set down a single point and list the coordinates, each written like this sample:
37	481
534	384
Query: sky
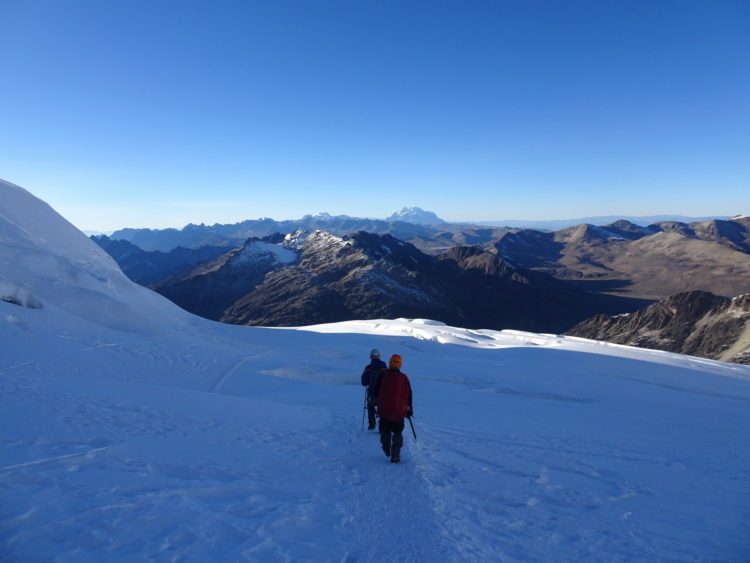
156	114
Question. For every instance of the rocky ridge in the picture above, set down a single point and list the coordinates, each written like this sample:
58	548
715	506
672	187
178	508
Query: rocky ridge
697	323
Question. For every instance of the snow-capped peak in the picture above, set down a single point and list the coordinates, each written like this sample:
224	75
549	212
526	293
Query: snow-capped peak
416	215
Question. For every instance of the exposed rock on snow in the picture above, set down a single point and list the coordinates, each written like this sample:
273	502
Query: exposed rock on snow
11	293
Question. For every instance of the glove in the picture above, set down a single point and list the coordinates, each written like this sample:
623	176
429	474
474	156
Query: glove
410	412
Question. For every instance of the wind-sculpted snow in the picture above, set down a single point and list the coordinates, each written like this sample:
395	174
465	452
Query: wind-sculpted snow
207	442
46	256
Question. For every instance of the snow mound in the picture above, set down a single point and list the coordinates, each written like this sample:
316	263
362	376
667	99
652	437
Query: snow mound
46	259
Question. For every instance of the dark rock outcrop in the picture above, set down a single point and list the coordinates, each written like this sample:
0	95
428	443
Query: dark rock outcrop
697	323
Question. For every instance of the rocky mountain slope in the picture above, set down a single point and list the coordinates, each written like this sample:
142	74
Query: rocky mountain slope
322	277
695	322
209	288
643	262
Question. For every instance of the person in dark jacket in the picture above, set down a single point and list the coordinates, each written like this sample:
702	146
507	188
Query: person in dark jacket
393	391
370	377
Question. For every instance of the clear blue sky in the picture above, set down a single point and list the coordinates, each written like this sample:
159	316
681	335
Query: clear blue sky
160	113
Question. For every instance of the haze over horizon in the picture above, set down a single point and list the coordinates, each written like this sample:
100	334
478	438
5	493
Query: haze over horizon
142	115
556	223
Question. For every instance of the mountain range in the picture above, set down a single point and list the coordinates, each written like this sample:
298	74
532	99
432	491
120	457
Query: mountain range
557	224
620	258
406	224
312	277
422	228
642	262
303	278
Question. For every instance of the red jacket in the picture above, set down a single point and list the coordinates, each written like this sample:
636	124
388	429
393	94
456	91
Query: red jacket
394	395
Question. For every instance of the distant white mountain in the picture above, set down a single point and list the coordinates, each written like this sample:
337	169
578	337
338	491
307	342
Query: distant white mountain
326	217
416	215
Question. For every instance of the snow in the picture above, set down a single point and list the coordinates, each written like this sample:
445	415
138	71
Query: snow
46	256
153	434
255	249
296	240
324	239
415	215
11	293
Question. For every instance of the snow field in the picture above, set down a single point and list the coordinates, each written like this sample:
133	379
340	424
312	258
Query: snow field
245	444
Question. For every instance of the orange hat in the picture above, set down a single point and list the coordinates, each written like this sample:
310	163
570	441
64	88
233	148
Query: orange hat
395	362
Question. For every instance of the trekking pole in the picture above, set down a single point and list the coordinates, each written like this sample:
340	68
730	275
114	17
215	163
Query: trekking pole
412	427
363	411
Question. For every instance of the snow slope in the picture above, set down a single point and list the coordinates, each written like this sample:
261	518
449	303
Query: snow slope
131	430
45	255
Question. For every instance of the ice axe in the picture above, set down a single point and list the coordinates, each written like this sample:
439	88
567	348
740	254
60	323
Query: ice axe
364	410
412	427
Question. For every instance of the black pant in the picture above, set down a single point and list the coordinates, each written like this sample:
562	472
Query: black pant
371	412
391	437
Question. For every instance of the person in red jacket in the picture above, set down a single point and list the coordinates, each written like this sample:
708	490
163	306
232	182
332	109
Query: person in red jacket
393	391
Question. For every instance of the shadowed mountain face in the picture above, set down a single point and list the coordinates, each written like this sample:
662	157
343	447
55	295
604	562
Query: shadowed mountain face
307	278
154	268
209	288
695	322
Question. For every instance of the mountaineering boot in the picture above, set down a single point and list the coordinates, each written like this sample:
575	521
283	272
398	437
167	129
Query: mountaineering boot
385	442
371	426
398	441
